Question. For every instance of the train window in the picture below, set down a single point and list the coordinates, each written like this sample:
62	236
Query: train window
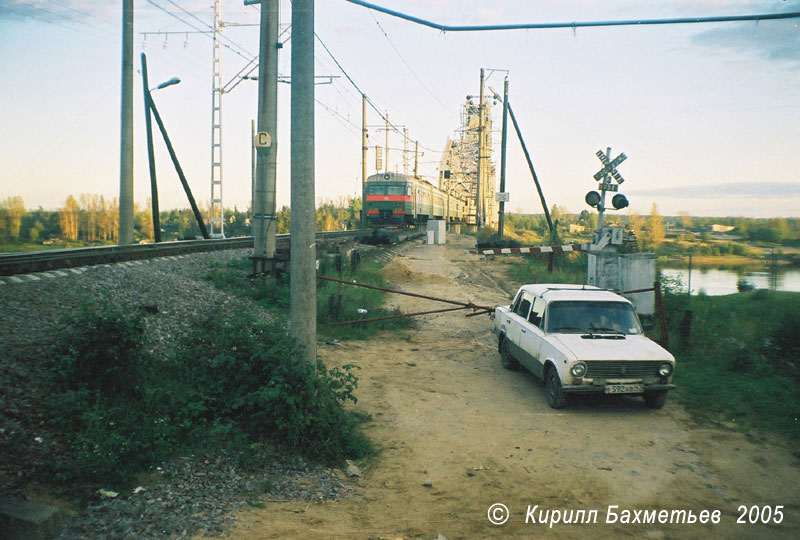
396	190
376	190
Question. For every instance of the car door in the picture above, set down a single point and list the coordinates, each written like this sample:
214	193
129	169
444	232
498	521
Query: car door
531	336
517	319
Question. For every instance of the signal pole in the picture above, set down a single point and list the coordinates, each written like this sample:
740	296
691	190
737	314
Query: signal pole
303	302
126	129
602	206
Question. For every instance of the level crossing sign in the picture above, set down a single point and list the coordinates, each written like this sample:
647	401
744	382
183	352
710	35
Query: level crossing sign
609	167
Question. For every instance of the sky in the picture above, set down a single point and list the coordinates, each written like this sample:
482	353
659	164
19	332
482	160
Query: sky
708	114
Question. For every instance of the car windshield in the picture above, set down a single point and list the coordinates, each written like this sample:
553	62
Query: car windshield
596	317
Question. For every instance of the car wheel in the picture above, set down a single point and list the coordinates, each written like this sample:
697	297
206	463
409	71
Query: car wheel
509	362
555	394
655	400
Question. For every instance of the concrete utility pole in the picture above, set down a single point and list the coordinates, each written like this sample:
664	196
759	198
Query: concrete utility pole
264	204
503	140
386	157
303	304
364	149
478	194
126	129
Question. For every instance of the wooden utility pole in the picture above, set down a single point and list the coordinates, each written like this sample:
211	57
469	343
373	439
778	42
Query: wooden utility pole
303	300
126	129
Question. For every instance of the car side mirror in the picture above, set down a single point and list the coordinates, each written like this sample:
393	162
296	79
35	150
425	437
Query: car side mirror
536	321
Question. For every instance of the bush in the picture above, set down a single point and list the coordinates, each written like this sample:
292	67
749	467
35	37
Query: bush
230	379
102	401
242	373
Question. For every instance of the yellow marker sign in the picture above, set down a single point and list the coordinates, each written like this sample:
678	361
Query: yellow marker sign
262	140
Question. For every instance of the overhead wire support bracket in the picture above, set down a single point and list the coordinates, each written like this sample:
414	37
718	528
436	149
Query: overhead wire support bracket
576	24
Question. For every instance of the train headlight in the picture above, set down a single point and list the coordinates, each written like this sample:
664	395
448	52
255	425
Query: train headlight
578	369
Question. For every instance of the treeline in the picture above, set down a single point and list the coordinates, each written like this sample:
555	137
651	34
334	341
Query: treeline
651	229
93	219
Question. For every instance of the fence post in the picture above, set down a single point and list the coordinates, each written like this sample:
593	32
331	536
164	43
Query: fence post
662	317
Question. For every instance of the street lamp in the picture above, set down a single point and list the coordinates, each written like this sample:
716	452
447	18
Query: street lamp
173	80
150	109
150	106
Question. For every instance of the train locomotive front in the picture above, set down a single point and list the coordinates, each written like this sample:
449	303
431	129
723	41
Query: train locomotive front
389	199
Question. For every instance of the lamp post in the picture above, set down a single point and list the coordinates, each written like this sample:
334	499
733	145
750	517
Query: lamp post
148	107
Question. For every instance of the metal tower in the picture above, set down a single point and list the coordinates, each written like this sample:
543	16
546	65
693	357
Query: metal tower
216	213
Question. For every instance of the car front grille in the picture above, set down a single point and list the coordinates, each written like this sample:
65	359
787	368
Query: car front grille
622	369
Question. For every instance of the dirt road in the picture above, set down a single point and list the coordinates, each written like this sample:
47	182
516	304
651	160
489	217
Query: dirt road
458	434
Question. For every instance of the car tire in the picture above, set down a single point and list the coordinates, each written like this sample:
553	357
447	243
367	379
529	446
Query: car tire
552	386
655	400
508	361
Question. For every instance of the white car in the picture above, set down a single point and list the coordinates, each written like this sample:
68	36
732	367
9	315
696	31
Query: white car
582	339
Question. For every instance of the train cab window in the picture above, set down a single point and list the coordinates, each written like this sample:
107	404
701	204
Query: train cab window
376	190
396	190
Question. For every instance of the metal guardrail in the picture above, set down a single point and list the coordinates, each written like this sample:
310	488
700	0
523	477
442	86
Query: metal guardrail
41	261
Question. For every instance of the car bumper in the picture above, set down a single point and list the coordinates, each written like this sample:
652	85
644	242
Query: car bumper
600	388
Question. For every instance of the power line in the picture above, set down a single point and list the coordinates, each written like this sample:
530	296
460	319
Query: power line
207	32
369	100
576	24
421	82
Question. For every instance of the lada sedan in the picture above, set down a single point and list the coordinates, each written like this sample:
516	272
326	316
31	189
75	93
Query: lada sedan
581	339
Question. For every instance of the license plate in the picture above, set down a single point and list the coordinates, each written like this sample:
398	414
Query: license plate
624	388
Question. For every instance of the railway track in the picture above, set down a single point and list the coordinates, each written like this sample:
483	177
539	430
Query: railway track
42	261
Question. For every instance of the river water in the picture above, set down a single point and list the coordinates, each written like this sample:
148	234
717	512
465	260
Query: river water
715	281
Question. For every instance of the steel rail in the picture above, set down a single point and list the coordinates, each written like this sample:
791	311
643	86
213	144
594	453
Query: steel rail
39	261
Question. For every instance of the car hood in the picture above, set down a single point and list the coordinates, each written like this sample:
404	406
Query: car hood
636	347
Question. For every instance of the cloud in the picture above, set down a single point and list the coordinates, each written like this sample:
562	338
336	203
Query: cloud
772	40
719	191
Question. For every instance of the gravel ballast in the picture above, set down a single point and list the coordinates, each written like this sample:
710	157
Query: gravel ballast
187	496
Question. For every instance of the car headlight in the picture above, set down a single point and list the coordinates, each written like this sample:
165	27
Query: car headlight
578	370
665	369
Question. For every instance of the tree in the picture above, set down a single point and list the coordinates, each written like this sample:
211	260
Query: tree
12	211
686	219
588	219
654	230
68	219
636	223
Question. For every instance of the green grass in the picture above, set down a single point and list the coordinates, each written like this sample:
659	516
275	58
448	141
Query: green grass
274	296
741	362
567	268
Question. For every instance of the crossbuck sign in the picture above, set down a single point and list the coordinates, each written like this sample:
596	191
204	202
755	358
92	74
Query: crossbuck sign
609	167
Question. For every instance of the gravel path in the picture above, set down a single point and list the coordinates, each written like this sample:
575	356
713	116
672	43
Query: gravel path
188	496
